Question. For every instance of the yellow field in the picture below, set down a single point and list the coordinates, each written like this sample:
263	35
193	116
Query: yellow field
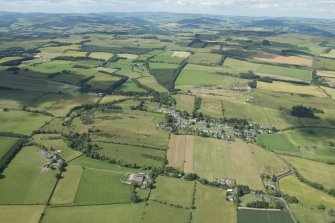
211	105
20	213
306	195
331	54
112	98
323	73
291	88
184	102
128	56
181	54
66	189
295	60
101	55
329	91
180	152
314	171
72	53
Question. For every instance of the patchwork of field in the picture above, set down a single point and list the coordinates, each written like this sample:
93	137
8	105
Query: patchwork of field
212	206
263	216
26	181
321	173
295	60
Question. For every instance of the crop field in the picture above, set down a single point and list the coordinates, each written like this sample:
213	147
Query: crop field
111	189
295	60
212	206
330	74
184	102
101	213
205	58
173	191
26	182
28	121
181	54
21	213
17	99
227	161
277	142
321	173
101	55
263	216
306	195
163	213
180	152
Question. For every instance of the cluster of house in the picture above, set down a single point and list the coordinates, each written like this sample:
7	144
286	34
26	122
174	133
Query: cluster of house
230	183
55	161
139	179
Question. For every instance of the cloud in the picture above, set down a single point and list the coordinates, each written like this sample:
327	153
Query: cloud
293	8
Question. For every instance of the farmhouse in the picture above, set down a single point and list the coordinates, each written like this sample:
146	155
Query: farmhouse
137	178
227	181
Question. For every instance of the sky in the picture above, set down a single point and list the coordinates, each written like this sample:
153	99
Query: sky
273	8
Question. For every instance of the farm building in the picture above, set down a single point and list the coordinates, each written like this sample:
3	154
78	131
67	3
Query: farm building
227	181
137	178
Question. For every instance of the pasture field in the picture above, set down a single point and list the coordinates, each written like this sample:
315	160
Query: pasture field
66	188
180	152
101	55
151	82
17	99
44	102
132	154
156	212
291	88
6	145
21	122
306	195
321	173
131	86
26	182
277	142
205	58
227	161
65	104
124	67
55	141
294	60
111	189
100	213
173	191
280	119
72	53
211	105
102	81
252	113
128	56
235	66
112	98
6	59
20	213
167	57
184	102
308	214
59	49
33	84
52	66
263	216
325	64
300	74
314	142
212	206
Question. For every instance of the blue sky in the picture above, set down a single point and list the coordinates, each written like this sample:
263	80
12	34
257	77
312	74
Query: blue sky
285	8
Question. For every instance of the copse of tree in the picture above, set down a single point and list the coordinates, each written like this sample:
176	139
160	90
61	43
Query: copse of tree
253	84
242	190
249	75
258	204
266	42
306	112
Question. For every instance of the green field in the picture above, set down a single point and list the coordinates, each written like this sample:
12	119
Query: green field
277	142
6	145
309	214
21	122
52	67
205	59
263	216
184	102
166	57
25	181
212	206
111	189
17	99
173	191
101	213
